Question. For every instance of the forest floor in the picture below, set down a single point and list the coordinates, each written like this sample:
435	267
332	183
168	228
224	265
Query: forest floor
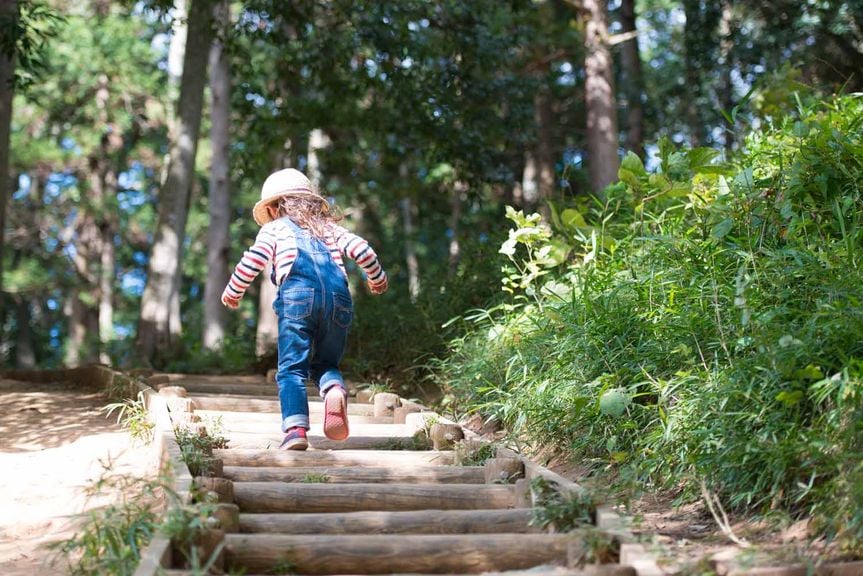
55	442
686	539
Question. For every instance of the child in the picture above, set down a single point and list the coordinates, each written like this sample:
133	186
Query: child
300	237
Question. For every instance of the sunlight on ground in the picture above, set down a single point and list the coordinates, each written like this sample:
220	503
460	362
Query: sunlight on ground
54	443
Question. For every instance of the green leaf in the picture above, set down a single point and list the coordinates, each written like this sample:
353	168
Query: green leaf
723	228
572	217
614	402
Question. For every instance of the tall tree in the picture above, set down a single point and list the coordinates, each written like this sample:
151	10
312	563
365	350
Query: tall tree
602	138
8	23
164	268
633	79
218	240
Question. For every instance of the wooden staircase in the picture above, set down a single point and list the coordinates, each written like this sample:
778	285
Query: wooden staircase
363	506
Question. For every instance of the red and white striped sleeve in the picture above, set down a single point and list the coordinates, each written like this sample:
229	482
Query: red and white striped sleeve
358	250
254	260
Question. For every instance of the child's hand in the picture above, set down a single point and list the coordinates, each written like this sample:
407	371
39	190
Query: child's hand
230	302
380	287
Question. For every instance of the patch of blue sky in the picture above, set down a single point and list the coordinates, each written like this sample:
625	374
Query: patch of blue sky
133	282
24	183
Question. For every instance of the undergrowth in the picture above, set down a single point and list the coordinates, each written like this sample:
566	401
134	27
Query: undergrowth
702	325
109	538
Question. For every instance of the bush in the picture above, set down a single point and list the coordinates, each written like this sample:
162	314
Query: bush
705	323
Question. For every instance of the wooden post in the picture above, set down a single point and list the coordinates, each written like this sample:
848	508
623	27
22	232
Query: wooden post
386	403
503	470
228	516
400	413
173	392
222	490
445	436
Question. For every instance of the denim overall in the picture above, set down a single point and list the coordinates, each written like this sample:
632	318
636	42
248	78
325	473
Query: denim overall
314	309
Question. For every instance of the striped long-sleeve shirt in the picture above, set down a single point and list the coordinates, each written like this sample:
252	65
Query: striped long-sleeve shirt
276	243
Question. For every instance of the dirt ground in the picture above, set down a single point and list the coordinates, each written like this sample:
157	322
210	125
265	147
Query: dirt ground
54	443
686	540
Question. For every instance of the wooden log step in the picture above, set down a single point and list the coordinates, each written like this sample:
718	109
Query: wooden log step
273	419
286	497
260	404
182	379
543	570
319	442
260	426
262	389
411	522
386	554
358	474
394	458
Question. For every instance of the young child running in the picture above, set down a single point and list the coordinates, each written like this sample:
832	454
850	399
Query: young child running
299	235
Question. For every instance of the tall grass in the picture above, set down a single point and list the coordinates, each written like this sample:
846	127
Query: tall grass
704	325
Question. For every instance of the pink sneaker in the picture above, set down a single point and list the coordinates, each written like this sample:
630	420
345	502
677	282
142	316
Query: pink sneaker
336	414
295	439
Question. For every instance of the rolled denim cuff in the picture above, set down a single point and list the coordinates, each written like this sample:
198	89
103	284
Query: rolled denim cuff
329	384
300	420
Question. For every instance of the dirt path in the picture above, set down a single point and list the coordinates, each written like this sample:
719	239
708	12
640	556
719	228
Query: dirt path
54	442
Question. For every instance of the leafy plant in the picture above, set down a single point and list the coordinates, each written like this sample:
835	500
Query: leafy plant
197	445
473	454
704	324
134	417
558	512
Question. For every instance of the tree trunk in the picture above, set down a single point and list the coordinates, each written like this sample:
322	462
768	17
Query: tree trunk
692	45
318	140
267	335
726	86
218	233
80	321
106	293
154	333
176	53
546	178
458	194
8	11
599	99
407	206
25	357
633	80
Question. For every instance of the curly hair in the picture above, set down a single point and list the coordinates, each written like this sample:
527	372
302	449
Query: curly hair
312	214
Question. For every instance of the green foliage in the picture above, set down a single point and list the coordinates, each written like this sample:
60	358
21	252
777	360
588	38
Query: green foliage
134	417
557	512
473	454
708	326
197	445
110	538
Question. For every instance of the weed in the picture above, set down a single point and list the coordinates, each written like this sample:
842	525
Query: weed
419	441
558	512
109	538
196	447
134	417
473	453
314	478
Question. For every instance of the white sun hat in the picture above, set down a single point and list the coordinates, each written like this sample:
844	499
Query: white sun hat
287	182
